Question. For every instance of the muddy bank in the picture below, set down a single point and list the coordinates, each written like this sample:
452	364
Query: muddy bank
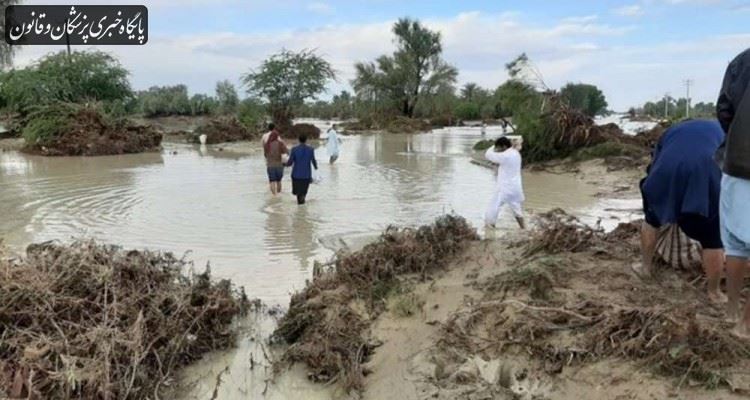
559	315
11	144
92	321
555	314
327	324
391	125
74	130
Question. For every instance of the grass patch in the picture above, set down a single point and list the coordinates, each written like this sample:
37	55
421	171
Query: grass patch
404	305
609	149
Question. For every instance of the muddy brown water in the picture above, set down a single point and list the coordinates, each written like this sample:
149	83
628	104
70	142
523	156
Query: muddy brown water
216	206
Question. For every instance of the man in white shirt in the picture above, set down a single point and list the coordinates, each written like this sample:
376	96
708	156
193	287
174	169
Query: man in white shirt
509	188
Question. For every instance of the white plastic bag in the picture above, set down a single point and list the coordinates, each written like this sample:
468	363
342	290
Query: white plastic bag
317	178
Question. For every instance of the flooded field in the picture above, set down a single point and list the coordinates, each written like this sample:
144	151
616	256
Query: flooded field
216	205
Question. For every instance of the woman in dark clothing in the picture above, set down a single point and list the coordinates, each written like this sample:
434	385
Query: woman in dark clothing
682	187
301	158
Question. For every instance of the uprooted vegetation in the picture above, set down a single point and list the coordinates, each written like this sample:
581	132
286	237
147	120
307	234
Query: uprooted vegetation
67	129
327	323
568	300
223	130
309	130
91	321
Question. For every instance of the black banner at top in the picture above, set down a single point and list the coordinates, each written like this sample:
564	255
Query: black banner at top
88	25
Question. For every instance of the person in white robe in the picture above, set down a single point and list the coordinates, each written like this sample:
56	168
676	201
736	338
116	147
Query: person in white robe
509	187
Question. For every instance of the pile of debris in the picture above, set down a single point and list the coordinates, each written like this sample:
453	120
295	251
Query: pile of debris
570	302
223	130
327	323
407	125
63	129
91	321
309	130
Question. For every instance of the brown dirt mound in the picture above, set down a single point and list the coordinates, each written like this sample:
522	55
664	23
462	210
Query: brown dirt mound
90	321
571	304
327	322
650	138
407	125
309	130
223	130
88	132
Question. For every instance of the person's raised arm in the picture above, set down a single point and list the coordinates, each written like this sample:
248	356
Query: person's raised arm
493	156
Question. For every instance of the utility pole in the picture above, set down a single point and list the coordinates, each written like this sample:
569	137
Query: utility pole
688	83
666	105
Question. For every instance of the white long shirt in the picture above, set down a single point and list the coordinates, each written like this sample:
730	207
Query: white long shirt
332	143
509	183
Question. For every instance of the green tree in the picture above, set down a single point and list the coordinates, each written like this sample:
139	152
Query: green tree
467	110
201	104
286	80
250	113
79	77
415	70
585	98
515	97
226	96
165	100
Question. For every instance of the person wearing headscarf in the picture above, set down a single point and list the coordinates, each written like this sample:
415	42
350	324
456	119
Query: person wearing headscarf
273	150
682	187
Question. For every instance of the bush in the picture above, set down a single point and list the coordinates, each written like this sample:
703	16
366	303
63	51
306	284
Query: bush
309	130
251	114
468	111
79	77
609	149
69	129
222	130
165	100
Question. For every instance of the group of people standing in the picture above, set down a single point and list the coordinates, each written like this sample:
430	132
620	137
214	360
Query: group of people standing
301	158
699	180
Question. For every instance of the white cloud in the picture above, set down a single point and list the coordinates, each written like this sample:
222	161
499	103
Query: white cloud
320	8
581	20
478	44
634	10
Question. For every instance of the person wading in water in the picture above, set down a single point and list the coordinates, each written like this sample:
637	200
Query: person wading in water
332	144
508	189
273	149
301	158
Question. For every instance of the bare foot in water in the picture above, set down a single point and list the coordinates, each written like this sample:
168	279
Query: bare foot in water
717	298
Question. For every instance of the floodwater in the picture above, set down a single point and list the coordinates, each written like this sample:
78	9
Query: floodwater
216	205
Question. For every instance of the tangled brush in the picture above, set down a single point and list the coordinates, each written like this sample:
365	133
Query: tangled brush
91	321
325	327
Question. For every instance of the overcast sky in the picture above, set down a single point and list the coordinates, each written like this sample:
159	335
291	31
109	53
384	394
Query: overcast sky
634	50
